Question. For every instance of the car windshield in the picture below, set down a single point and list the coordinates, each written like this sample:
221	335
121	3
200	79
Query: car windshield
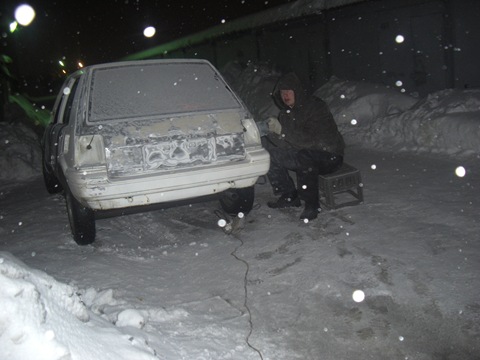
157	89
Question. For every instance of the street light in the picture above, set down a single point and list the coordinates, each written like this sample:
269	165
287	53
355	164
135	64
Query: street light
24	14
149	31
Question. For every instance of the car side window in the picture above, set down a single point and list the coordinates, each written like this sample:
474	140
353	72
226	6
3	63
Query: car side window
64	108
69	101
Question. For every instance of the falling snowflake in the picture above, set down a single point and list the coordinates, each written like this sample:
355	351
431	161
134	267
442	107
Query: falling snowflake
460	171
358	296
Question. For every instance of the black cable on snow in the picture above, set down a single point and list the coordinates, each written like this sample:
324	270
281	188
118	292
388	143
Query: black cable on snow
245	302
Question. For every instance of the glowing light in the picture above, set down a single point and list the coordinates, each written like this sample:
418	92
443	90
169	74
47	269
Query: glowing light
24	14
399	39
399	83
373	167
80	64
353	122
222	223
61	63
149	31
13	26
460	171
358	296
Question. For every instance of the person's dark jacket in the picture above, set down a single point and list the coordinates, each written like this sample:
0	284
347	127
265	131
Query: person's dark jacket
309	124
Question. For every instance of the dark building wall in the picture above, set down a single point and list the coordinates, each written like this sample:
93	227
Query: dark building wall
298	46
357	42
364	47
201	51
240	47
466	43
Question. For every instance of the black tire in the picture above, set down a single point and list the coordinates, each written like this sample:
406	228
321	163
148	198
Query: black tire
82	220
234	201
52	184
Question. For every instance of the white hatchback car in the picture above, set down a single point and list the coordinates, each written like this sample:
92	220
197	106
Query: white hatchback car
138	133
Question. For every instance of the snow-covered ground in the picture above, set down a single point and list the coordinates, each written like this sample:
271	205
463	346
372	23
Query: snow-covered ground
170	284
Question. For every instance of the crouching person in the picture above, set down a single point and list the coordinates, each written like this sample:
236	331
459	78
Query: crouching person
304	139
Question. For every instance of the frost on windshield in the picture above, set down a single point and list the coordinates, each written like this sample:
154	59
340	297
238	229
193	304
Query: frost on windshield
157	89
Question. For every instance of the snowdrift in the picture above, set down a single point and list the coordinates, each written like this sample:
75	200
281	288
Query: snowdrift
20	152
375	116
41	318
446	122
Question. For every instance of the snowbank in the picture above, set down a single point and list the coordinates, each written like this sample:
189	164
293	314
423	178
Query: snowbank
20	152
254	84
360	100
41	318
375	116
446	122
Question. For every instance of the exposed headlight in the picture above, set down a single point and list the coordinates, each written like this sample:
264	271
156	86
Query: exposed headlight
89	150
251	135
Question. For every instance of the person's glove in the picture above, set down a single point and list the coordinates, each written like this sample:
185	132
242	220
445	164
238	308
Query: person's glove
263	127
274	125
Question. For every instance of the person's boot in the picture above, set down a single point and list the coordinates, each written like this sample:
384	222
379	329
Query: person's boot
285	201
310	212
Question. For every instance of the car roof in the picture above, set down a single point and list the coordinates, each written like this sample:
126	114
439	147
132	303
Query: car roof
143	62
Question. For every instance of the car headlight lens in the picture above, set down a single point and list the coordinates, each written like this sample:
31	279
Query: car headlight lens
251	135
89	150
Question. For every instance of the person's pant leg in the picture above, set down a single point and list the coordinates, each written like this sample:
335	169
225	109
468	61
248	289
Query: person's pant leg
281	161
326	162
312	164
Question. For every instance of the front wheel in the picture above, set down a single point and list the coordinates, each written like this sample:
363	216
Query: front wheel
234	201
82	220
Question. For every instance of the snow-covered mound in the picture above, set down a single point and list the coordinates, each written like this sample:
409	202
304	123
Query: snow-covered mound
20	153
376	116
361	101
41	318
371	115
254	84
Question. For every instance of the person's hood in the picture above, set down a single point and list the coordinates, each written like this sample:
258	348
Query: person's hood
289	81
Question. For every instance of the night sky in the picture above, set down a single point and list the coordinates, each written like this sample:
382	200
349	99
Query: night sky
95	31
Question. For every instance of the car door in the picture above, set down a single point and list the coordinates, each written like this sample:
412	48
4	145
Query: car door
55	133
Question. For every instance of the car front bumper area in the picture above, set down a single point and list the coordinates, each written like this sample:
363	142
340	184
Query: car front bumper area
94	189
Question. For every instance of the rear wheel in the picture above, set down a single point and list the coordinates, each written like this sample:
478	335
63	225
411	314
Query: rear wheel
82	220
234	201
